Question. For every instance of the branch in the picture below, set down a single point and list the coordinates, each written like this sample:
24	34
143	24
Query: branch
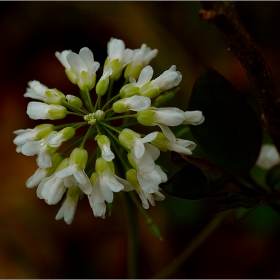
224	15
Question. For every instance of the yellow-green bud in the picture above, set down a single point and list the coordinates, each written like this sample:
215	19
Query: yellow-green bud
129	90
131	177
100	165
99	115
93	178
119	106
43	130
79	156
146	117
56	160
133	72
54	96
72	75
127	137
164	98
74	101
63	164
57	112
102	86
131	160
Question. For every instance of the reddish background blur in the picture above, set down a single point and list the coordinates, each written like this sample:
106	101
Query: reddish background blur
32	243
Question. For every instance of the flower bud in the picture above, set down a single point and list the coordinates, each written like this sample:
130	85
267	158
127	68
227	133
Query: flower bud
131	177
93	178
38	110
43	130
104	144
129	90
79	157
54	96
100	165
62	136
99	115
74	101
103	83
63	164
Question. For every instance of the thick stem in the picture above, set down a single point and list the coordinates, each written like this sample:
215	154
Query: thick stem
224	15
132	237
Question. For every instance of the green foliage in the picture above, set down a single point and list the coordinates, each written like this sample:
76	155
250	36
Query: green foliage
231	134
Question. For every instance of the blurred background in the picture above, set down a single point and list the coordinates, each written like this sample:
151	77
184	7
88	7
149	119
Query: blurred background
32	243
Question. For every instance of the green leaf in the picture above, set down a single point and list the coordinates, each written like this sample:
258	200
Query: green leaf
273	177
197	179
231	134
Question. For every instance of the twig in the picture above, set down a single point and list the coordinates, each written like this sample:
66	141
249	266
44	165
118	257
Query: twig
224	15
195	243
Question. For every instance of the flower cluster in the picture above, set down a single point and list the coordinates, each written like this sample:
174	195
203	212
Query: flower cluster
70	173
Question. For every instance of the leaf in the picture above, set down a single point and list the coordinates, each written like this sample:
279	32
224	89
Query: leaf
246	201
273	177
231	134
197	179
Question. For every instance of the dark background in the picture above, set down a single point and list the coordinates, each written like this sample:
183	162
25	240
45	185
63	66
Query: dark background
32	243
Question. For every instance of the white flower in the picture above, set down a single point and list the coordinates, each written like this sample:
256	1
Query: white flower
39	110
62	58
29	135
42	173
193	117
36	90
69	206
40	92
131	176
141	58
133	103
76	166
147	161
104	144
107	182
51	189
149	181
165	81
163	117
118	57
85	67
133	141
181	146
42	149
268	156
103	83
57	138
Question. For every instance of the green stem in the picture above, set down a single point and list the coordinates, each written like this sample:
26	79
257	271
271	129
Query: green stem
97	103
67	125
76	114
109	101
66	104
79	126
86	136
121	117
110	91
132	237
154	228
127	125
104	124
191	247
89	101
